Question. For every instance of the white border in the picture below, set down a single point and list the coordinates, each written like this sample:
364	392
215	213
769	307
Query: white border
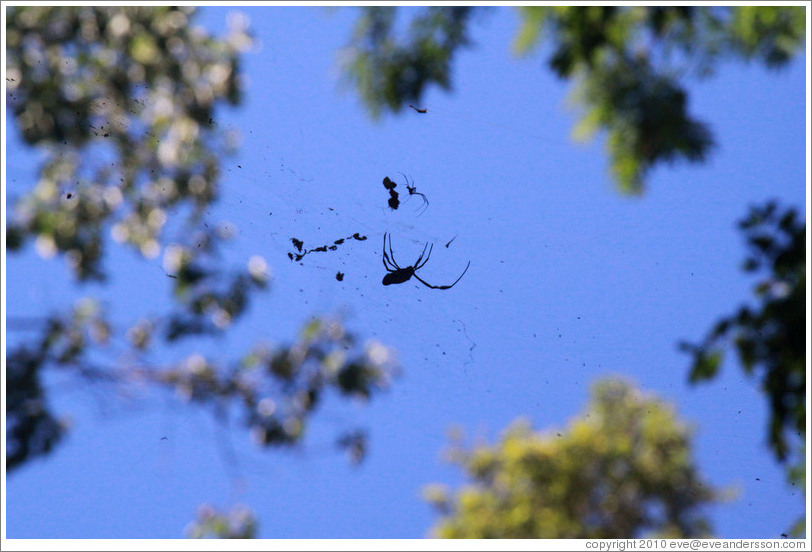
394	544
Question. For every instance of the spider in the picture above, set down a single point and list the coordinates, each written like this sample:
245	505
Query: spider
413	191
397	275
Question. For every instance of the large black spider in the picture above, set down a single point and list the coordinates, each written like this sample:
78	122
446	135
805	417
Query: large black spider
397	275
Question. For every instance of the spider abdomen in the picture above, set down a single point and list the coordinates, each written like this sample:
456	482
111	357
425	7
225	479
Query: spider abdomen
398	276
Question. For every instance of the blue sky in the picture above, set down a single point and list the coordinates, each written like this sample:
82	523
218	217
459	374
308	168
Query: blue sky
569	282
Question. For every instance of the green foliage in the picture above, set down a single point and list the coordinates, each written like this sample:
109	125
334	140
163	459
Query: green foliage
209	300
771	336
239	523
622	469
797	478
140	85
582	34
121	103
646	119
626	63
770	33
391	73
275	390
32	429
278	389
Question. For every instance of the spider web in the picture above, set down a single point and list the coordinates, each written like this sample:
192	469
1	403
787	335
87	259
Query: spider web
283	202
277	194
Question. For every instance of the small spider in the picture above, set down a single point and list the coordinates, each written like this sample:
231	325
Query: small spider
397	275
413	191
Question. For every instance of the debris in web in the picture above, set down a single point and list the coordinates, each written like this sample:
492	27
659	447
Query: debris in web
301	250
394	202
339	276
418	109
394	197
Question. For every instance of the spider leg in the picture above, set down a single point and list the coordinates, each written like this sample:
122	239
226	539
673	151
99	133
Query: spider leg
422	209
425	202
418	264
406	177
425	283
392	254
413	191
386	258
